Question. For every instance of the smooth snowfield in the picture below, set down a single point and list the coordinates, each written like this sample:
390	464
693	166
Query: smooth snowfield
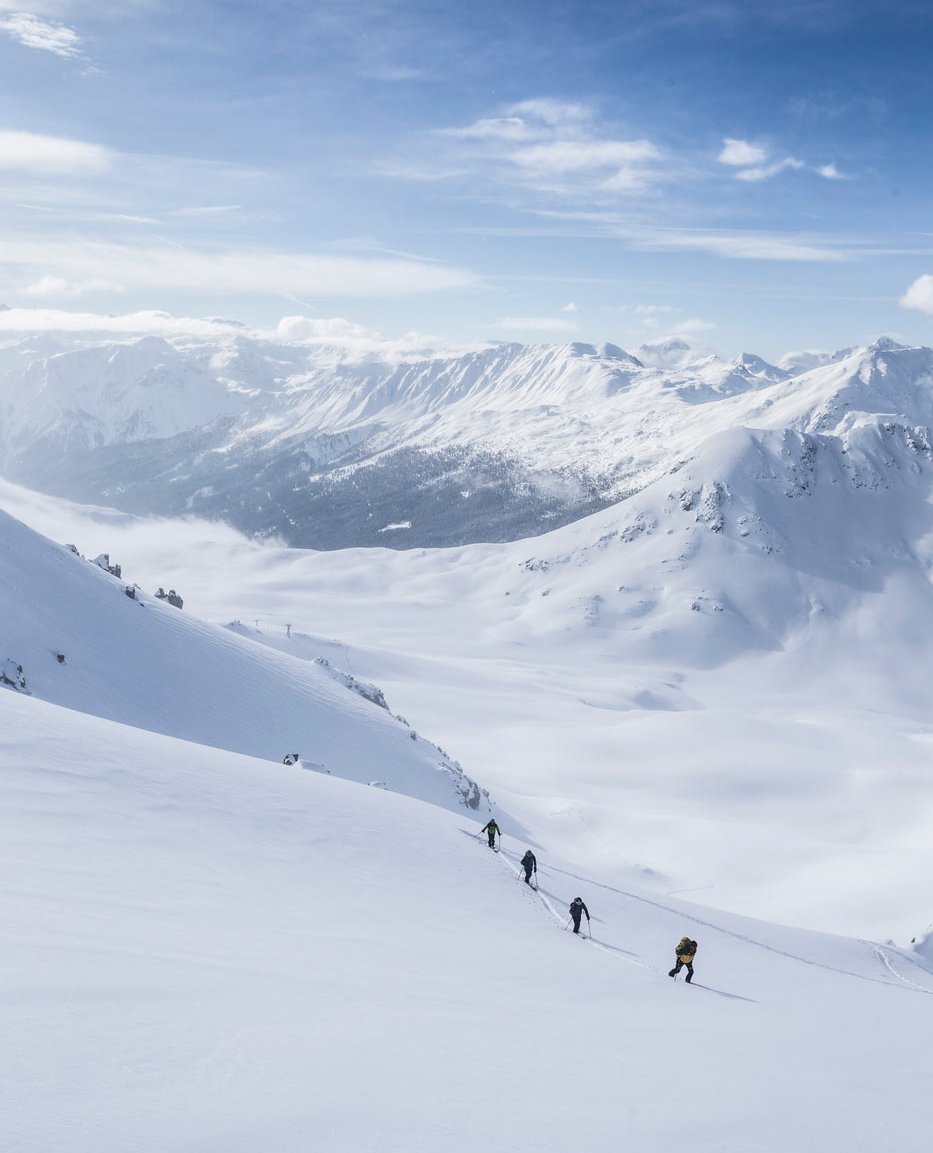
204	952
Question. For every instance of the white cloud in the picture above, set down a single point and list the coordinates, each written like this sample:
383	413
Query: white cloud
52	286
553	112
740	153
207	210
653	309
652	315
582	155
571	307
334	332
919	296
27	320
737	245
32	32
338	332
755	175
550	146
691	325
314	329
493	128
527	120
49	155
536	324
752	159
230	272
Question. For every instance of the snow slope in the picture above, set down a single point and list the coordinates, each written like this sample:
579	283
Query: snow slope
146	664
203	951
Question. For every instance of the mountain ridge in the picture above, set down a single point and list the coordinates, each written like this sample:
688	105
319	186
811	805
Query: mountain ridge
323	450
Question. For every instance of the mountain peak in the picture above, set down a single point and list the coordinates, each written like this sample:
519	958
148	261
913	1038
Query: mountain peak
887	344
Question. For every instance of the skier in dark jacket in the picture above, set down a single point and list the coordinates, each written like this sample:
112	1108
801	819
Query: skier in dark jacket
530	865
492	830
685	951
577	909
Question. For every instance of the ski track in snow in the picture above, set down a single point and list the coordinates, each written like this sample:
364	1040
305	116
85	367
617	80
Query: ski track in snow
545	898
885	958
879	952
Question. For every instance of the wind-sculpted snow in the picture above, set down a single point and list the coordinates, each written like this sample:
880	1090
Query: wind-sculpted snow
320	450
84	639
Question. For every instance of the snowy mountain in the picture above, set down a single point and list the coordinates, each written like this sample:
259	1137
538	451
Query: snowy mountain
323	449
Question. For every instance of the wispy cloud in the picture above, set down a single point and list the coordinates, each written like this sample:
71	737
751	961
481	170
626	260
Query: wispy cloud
738	245
332	332
338	332
26	320
56	287
229	272
555	147
553	112
692	325
207	210
919	296
836	106
50	155
555	324
42	35
561	156
766	171
505	128
754	166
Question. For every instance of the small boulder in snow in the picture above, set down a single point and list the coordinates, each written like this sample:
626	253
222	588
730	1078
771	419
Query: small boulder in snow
12	675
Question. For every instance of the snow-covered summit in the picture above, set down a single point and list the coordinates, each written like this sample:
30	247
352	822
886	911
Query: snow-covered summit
324	449
91	398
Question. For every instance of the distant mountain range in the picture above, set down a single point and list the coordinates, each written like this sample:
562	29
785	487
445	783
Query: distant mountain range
324	450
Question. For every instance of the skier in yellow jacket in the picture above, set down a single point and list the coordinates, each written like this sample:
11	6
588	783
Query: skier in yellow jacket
686	951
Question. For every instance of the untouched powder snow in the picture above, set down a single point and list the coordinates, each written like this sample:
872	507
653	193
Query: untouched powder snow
203	951
139	661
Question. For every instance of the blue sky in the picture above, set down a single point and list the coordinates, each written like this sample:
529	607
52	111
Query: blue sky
753	176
